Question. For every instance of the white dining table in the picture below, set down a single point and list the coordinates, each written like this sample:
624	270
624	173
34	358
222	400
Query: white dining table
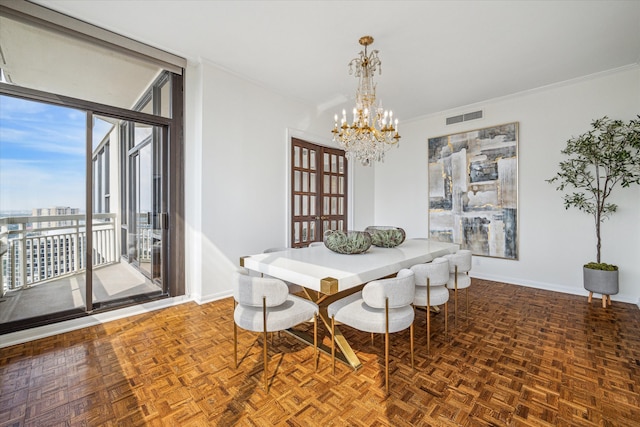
320	269
333	276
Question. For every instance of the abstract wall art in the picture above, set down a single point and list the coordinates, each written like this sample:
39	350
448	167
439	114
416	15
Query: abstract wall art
473	190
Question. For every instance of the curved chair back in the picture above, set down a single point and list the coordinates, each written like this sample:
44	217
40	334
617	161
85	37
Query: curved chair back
399	290
250	290
437	271
383	306
462	259
264	305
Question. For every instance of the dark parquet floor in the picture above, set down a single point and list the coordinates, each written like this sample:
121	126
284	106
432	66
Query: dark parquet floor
525	357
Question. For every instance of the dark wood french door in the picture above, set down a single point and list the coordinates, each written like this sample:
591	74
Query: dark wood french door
318	193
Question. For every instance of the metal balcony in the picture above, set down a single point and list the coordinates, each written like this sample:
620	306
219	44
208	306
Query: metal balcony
42	264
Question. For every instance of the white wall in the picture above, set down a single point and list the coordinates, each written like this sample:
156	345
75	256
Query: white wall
237	163
553	243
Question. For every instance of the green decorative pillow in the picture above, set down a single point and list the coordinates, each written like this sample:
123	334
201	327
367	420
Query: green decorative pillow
347	242
386	237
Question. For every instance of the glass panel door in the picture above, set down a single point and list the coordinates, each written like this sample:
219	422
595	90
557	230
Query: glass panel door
147	204
142	208
53	160
67	163
134	273
319	192
148	213
42	210
334	190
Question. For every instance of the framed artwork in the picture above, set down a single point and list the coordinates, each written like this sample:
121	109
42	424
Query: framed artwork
473	190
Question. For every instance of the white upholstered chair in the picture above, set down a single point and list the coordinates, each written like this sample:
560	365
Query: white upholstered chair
431	290
264	304
312	244
459	267
293	288
383	307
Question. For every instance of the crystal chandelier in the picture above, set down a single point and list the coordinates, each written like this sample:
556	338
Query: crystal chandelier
373	130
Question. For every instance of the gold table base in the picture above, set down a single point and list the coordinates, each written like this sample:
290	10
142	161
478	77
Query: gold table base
344	352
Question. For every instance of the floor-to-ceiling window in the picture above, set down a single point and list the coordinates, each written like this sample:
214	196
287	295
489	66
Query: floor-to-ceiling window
90	175
42	209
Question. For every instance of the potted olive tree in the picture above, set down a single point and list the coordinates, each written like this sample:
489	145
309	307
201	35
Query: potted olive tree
598	161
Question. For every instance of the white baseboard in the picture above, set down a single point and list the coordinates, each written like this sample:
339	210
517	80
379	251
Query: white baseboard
203	299
27	335
552	287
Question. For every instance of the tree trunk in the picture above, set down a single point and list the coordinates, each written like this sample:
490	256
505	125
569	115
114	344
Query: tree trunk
598	241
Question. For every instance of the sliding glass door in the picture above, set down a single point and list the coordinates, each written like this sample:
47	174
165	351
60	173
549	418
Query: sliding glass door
53	159
91	171
137	188
42	210
147	203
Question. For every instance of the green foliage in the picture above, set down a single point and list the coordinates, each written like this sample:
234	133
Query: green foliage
599	160
386	237
350	242
601	266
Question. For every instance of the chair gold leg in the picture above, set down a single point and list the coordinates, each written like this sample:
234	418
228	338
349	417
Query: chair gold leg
315	340
386	362
235	338
333	344
264	340
466	293
446	320
386	345
428	320
604	301
428	315
372	338
590	297
455	299
411	332
235	344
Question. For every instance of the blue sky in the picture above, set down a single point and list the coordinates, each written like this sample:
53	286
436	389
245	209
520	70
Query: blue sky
42	155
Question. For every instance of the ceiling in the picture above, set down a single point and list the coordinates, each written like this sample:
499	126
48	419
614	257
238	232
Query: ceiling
70	66
436	55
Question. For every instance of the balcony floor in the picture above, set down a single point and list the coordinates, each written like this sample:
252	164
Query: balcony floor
111	282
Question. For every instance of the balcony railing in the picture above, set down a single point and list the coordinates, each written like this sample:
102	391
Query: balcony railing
36	249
